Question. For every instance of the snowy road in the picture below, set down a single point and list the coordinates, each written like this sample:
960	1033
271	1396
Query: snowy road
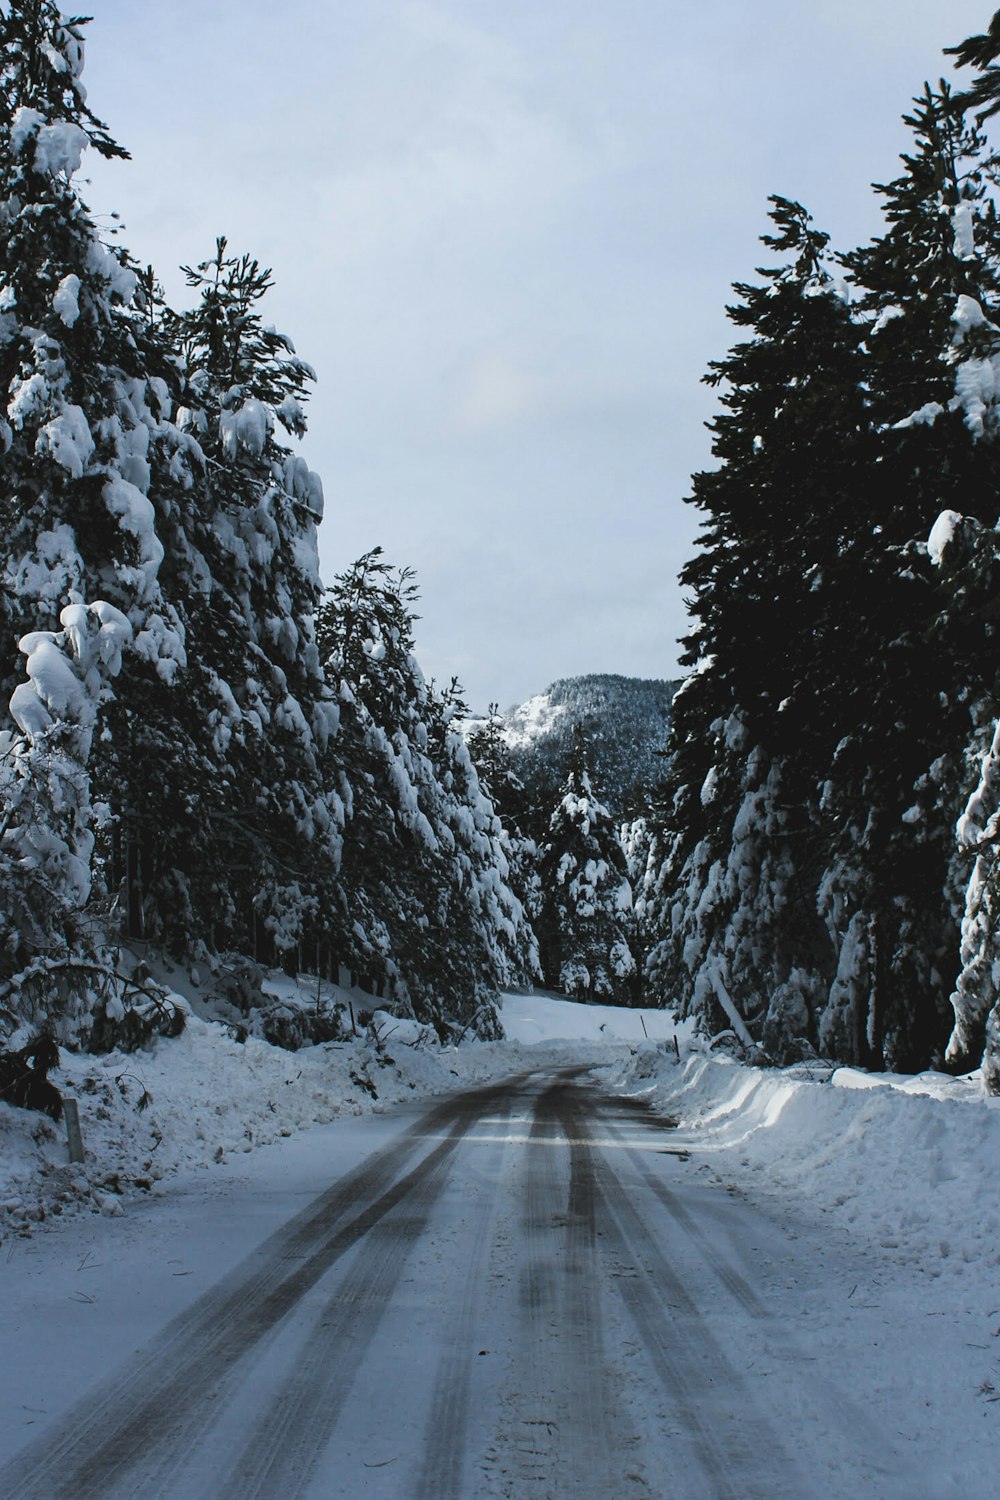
526	1291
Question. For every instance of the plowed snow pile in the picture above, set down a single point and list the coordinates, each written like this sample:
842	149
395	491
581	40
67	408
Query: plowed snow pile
909	1164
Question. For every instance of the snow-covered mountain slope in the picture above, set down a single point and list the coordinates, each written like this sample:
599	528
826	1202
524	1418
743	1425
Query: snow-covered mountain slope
624	719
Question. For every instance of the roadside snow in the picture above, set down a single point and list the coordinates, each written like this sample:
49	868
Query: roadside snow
195	1101
906	1164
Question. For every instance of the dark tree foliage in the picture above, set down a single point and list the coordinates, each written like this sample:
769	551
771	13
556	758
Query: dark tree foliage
751	727
895	781
980	52
819	750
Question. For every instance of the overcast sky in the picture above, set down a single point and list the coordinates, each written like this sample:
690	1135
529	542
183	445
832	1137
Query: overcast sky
504	232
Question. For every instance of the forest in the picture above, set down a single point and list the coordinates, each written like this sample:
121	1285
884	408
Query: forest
208	750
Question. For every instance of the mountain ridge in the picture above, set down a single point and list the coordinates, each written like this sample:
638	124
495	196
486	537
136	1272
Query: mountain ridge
623	719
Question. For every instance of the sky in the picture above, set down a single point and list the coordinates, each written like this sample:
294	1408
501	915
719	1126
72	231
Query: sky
504	233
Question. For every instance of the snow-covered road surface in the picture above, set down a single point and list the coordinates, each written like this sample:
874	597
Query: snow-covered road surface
529	1290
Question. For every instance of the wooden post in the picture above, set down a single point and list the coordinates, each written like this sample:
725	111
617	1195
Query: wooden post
74	1139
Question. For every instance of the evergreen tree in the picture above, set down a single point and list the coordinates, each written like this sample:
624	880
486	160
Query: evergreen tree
817	751
500	947
240	843
730	895
585	925
81	410
83	427
424	910
894	788
505	789
365	639
964	547
50	968
981	52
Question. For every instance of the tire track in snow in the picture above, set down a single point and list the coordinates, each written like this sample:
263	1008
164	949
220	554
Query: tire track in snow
561	1432
602	1444
867	1439
280	1460
145	1420
443	1468
750	1463
736	1285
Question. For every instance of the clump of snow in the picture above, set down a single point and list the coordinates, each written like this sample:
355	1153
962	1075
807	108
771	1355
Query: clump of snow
60	147
926	416
942	533
53	569
968	314
976	393
965	237
67	439
135	512
66	301
246	429
25	122
118	279
886	316
51	675
976	378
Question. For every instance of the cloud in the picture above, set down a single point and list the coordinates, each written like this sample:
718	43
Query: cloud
505	235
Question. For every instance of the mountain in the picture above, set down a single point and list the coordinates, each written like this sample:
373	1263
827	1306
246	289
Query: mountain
624	720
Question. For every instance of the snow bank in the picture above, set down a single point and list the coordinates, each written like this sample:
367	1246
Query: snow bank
907	1164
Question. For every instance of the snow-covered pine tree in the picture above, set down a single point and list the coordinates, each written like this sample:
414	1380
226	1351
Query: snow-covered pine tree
365	639
895	783
50	964
425	910
506	791
969	559
80	406
585	926
728	903
965	551
82	421
481	906
253	845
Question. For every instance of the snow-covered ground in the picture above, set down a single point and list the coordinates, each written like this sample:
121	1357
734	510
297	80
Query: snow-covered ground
882	1191
906	1164
192	1102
